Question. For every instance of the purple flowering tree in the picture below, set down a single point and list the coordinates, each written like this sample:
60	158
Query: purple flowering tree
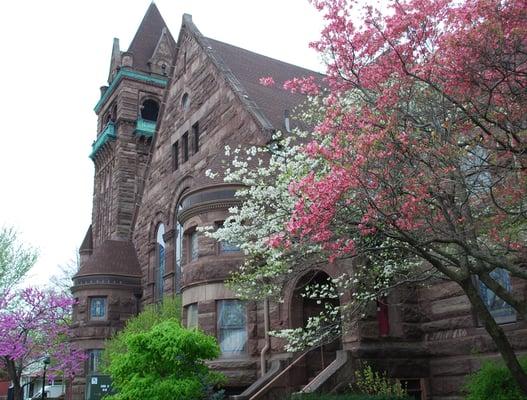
33	324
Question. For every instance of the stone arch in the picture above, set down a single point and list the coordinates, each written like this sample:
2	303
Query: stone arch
299	309
183	185
159	218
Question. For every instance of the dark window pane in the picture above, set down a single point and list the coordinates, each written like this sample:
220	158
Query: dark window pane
195	135
185	147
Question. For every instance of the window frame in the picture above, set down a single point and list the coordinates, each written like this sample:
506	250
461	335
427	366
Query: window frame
160	266
219	329
184	146
94	367
178	251
103	317
195	313
195	137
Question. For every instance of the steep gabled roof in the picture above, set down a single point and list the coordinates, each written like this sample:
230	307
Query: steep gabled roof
146	38
243	69
248	67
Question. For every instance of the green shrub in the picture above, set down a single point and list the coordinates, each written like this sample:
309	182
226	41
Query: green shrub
494	381
168	310
374	383
164	363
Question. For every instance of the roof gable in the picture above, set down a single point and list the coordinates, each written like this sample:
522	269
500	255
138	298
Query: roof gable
242	69
249	67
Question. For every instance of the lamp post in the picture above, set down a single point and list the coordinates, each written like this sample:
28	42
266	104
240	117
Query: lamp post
46	362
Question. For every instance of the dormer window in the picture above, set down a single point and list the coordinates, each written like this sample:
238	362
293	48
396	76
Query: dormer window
149	110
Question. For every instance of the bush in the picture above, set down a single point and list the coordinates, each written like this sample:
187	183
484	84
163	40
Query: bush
168	310
374	383
494	381
164	363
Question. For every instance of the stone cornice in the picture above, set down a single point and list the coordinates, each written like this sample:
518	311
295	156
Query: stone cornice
200	208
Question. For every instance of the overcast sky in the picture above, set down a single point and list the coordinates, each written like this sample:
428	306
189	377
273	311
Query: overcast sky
54	57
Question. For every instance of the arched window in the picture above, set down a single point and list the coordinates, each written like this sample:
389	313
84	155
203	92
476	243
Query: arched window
149	110
178	250
160	261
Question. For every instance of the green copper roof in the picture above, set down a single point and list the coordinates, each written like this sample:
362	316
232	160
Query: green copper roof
107	134
145	127
126	73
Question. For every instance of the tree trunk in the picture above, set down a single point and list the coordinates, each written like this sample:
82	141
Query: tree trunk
497	334
15	378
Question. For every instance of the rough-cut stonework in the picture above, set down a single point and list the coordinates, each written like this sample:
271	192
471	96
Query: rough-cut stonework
433	341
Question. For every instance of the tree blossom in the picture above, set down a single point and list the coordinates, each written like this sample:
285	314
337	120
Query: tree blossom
267	81
418	161
35	324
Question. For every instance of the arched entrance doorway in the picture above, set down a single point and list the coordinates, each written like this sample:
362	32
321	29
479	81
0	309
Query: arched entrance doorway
303	307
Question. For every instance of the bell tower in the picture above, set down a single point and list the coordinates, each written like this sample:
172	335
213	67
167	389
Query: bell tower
127	119
108	284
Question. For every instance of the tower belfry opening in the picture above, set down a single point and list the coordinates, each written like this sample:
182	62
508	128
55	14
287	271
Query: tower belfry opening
149	110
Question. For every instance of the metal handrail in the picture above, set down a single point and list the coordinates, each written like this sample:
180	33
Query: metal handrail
293	363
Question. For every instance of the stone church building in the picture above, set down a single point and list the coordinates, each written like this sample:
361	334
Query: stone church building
170	107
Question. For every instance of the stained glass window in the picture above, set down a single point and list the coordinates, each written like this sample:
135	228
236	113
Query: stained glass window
500	310
232	331
94	360
98	308
160	273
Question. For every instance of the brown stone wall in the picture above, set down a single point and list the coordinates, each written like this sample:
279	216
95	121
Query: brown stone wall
456	341
222	121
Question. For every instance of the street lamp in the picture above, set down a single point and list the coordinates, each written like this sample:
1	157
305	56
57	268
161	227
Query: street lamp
46	362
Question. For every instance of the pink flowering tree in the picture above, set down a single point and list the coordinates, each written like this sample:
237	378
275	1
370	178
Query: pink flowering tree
425	143
35	324
418	161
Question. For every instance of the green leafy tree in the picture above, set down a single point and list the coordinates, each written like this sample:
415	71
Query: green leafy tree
16	259
169	309
165	362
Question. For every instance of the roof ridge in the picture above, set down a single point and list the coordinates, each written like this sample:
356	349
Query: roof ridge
263	55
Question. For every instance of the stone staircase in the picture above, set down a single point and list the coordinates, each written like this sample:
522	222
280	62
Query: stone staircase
310	372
